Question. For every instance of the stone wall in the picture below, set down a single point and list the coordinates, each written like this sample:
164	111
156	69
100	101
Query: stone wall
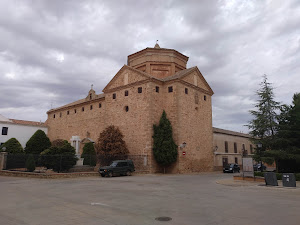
194	128
87	123
189	113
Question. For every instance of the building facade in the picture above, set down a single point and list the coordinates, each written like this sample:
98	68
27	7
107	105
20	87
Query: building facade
22	130
154	79
230	147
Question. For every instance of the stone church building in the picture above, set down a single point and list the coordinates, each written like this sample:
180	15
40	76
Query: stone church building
154	79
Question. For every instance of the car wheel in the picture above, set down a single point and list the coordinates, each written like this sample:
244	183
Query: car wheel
128	173
102	175
110	174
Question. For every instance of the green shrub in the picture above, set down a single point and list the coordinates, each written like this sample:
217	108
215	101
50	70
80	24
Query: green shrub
37	143
279	176
89	154
258	174
59	158
12	146
30	163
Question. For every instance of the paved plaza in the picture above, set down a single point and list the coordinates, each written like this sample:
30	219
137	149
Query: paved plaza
210	198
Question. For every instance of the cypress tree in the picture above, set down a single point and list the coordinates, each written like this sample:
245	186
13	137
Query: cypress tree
37	143
89	154
164	148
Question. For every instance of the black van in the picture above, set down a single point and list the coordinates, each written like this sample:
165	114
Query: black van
118	167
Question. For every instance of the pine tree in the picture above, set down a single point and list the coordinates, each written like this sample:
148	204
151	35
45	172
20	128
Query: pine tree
164	148
12	146
263	126
89	154
37	143
286	149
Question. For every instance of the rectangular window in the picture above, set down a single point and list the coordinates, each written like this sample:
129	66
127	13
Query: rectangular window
60	114
170	89
226	147
126	93
114	95
91	107
204	97
82	109
68	112
100	105
186	91
75	111
4	130
235	147
140	89
236	160
251	149
157	89
53	115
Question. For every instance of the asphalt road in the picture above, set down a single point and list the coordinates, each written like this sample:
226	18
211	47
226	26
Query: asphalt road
188	199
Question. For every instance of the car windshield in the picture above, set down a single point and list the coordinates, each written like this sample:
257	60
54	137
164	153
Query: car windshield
114	164
231	165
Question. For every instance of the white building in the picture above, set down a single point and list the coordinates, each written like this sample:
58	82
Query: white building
22	130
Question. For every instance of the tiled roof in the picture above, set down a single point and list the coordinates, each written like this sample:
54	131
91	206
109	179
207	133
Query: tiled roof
76	102
229	132
160	49
26	122
179	74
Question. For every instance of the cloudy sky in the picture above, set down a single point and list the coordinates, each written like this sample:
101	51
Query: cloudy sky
52	51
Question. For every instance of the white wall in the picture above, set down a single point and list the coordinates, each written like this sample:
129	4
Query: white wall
21	132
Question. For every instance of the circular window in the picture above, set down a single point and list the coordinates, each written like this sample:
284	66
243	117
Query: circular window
126	108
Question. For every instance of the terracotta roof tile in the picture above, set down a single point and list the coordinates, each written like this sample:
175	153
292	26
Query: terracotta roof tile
26	122
77	102
179	74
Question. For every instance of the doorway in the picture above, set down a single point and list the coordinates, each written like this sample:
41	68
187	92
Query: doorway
225	161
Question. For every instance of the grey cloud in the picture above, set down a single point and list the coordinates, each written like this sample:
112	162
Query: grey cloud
232	43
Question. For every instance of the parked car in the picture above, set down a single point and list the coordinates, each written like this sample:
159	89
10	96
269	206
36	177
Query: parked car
257	167
118	167
231	168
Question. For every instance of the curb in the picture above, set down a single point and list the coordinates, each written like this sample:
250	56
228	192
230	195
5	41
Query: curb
47	175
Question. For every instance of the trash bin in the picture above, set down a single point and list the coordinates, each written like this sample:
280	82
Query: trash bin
271	179
288	180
